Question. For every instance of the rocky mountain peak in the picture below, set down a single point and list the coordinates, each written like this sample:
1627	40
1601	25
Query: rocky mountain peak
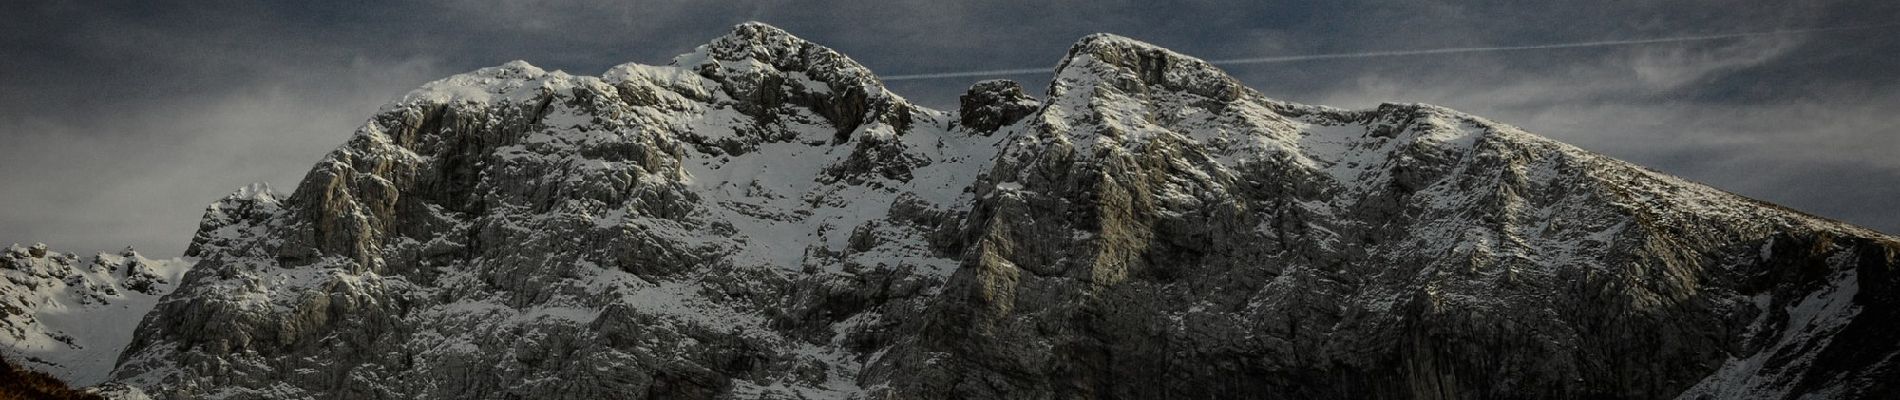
758	48
1135	67
765	68
990	104
764	43
514	81
221	219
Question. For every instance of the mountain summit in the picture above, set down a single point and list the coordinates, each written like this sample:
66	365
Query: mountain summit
763	219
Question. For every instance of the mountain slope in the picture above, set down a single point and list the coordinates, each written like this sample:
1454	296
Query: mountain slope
762	219
69	316
1159	218
18	383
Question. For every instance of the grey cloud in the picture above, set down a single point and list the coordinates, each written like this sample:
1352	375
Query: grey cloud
141	177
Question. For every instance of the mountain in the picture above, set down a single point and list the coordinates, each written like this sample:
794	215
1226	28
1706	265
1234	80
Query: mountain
70	316
763	219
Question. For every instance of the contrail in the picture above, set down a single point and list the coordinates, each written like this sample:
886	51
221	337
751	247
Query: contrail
1396	53
967	74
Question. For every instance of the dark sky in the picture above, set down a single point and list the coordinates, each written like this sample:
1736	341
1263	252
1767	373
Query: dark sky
120	121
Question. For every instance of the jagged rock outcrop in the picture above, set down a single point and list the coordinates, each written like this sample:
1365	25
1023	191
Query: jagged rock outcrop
762	219
991	104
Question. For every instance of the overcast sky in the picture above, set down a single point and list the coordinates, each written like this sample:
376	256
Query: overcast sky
120	121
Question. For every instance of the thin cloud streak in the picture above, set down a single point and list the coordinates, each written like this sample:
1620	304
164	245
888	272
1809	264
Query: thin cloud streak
967	74
1400	53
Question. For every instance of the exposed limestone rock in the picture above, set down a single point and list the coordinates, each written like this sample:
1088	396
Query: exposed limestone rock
991	104
762	219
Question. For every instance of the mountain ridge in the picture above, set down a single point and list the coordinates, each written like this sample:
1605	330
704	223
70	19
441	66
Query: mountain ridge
763	219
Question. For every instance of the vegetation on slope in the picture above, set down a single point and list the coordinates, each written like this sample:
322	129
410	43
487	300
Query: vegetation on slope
17	383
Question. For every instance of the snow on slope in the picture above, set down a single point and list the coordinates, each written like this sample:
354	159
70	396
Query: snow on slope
71	316
762	219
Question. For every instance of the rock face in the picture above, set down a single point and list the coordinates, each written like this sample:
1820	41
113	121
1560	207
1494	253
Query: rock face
762	219
989	105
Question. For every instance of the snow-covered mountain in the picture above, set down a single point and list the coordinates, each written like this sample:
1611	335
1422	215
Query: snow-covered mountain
71	316
763	219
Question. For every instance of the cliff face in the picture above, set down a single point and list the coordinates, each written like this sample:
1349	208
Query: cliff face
1160	231
762	219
